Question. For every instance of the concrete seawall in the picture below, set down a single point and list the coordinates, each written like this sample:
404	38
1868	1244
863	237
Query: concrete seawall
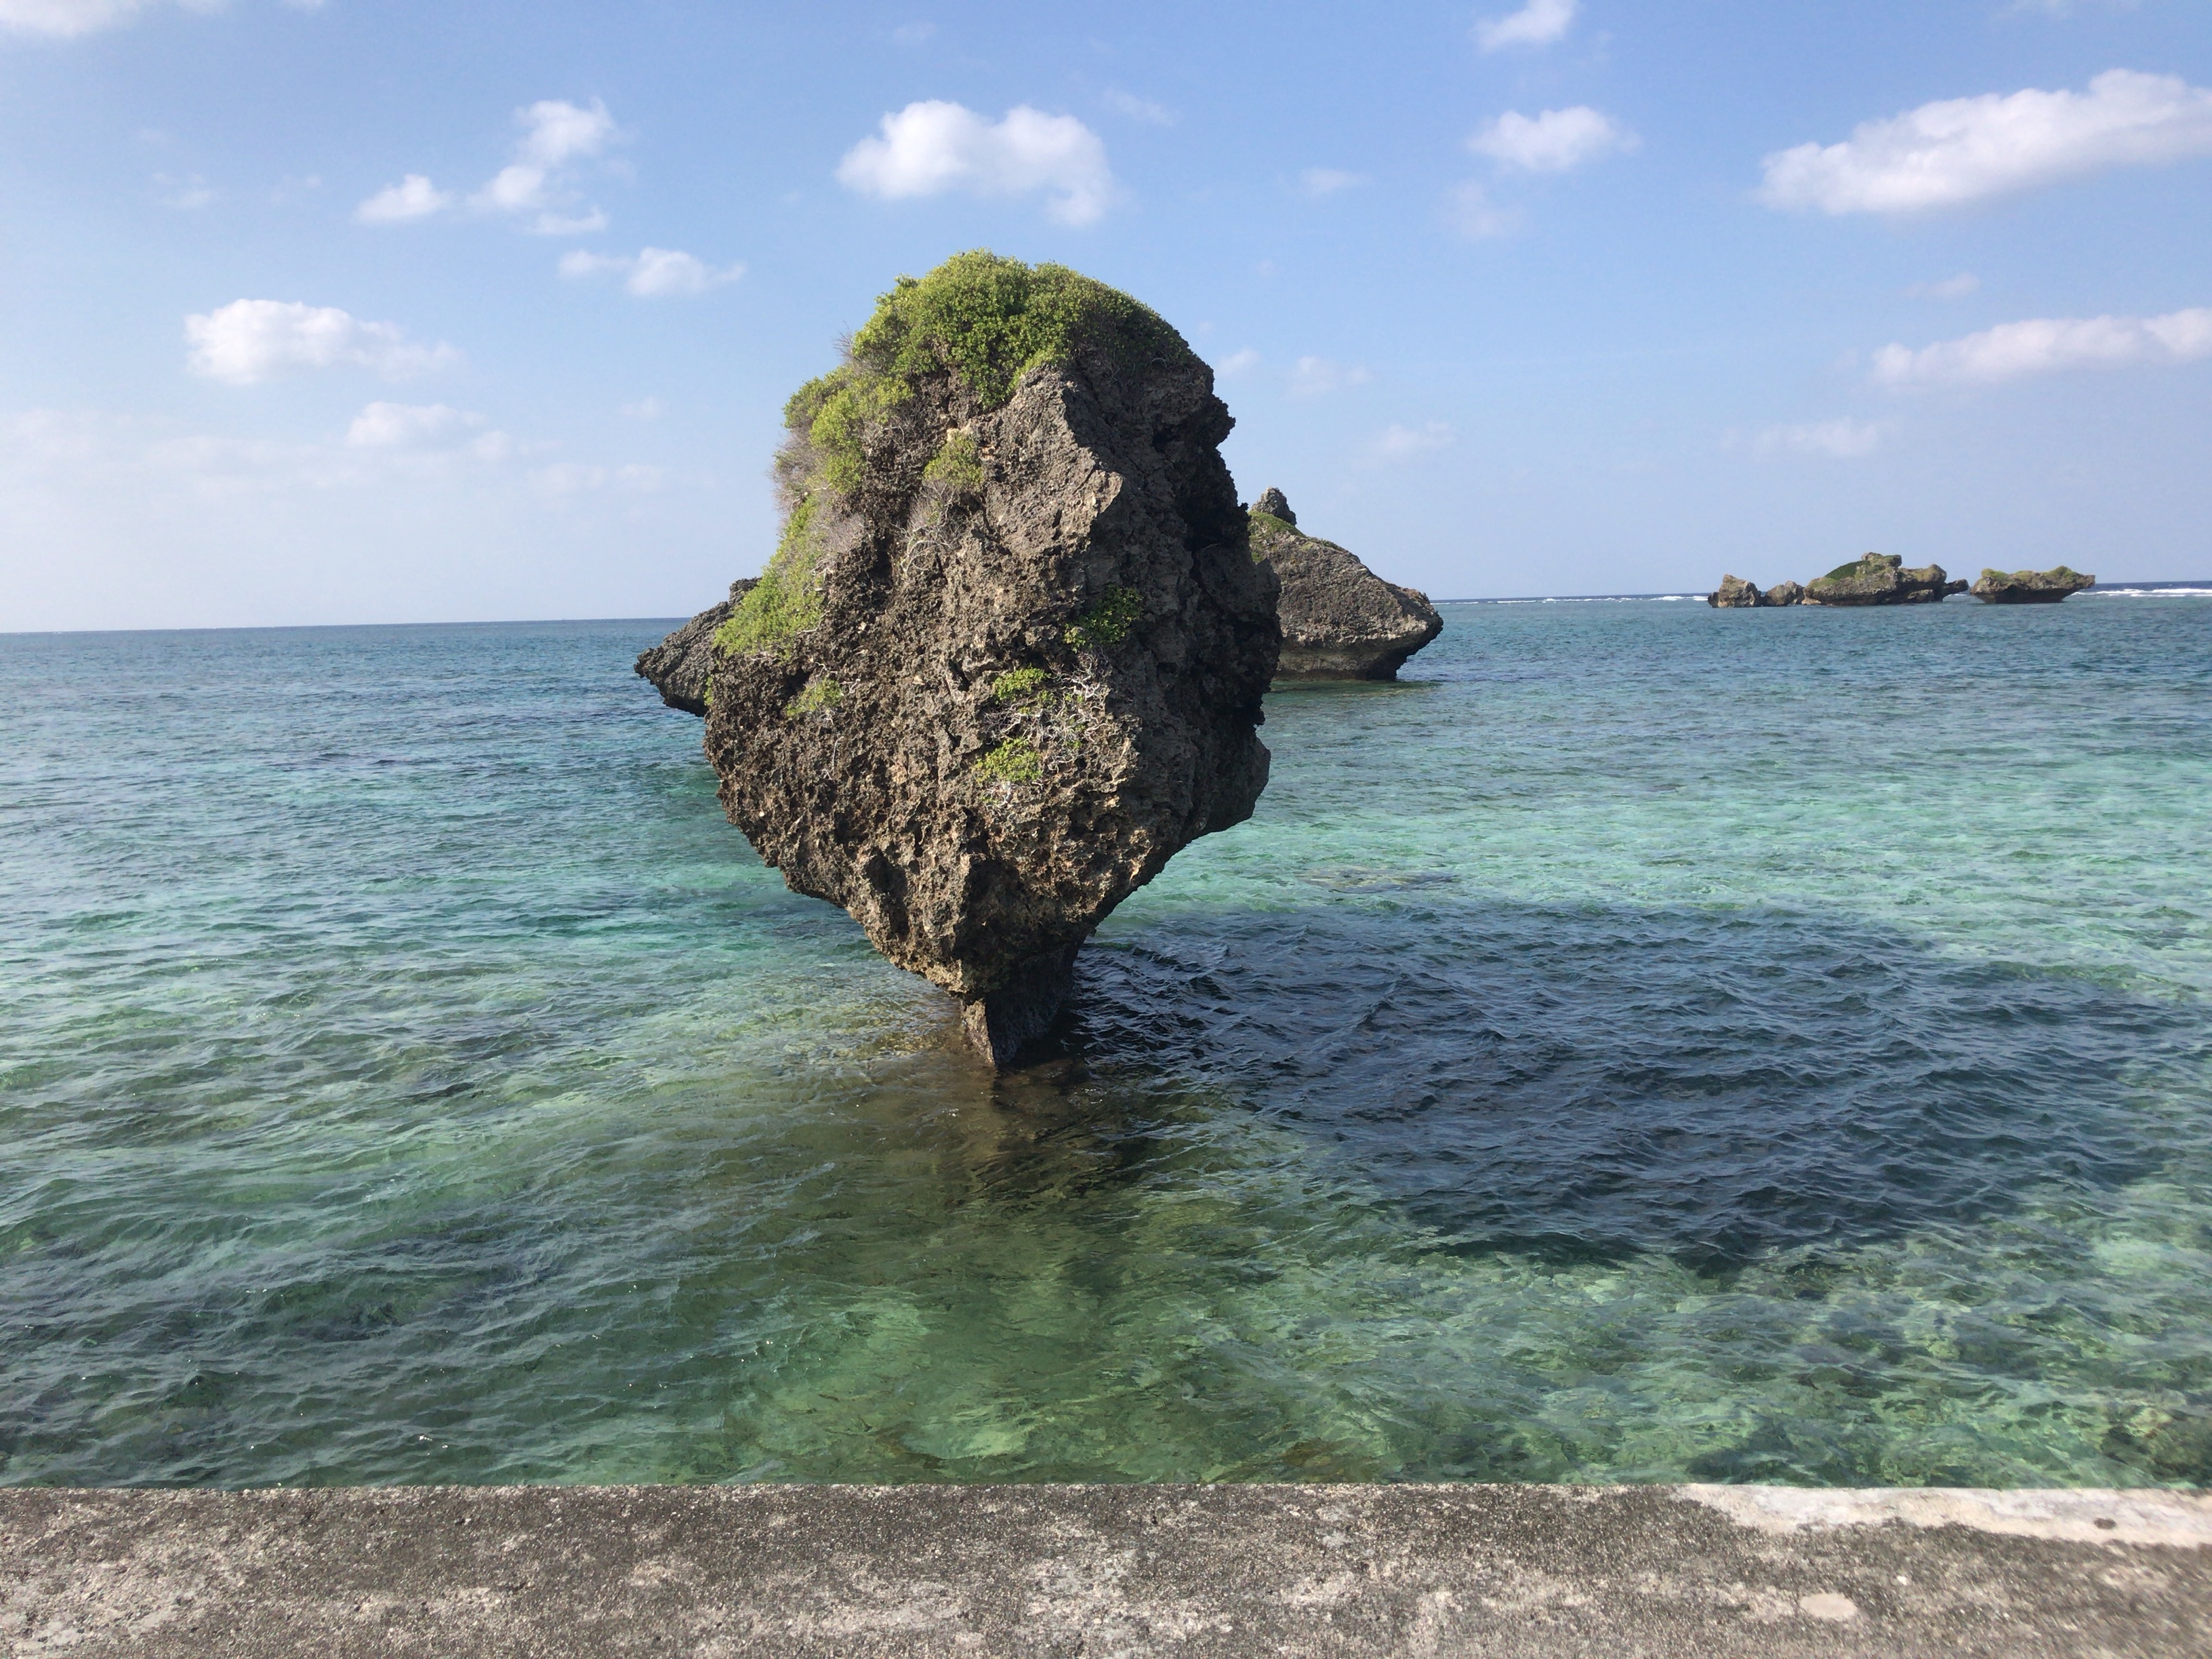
1672	1572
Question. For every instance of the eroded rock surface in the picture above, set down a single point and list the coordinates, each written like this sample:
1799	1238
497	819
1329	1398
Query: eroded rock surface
1010	655
2029	587
678	665
1784	593
1341	621
1734	594
1881	579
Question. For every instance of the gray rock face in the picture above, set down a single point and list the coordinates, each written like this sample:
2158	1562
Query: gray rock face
1784	593
1272	503
1341	621
1879	578
678	665
2029	587
1010	656
1734	594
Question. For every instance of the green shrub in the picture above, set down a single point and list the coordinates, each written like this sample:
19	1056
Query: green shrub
1108	622
1021	685
786	601
958	466
1015	761
819	698
1266	522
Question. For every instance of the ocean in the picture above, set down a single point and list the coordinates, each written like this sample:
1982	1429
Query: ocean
1646	1043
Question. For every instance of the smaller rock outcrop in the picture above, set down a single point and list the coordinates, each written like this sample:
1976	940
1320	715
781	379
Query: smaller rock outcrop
1881	579
1734	594
2029	587
1341	621
1784	593
679	664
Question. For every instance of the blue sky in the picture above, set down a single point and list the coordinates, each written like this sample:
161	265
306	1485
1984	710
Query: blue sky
395	311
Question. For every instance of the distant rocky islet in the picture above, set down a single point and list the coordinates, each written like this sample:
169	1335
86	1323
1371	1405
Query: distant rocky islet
1881	579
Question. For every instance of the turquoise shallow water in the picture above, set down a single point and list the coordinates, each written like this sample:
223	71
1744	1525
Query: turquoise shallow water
1649	1044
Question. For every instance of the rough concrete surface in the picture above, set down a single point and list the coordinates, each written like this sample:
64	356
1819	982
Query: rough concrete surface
1097	1571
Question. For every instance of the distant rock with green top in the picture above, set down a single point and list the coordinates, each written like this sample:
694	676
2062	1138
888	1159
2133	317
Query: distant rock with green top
2029	587
1010	655
1341	621
677	667
1881	579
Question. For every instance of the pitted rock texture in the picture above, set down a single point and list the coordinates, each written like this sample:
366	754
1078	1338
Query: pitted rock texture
1010	656
1733	594
677	667
1879	578
2029	587
1341	620
1783	593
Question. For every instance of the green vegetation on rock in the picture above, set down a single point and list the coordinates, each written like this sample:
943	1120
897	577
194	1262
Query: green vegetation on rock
1021	685
786	601
1015	761
1108	622
1269	523
958	466
1872	565
819	698
985	320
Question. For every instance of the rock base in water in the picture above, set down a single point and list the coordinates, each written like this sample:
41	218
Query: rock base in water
1341	621
2029	587
1004	1024
1736	594
677	667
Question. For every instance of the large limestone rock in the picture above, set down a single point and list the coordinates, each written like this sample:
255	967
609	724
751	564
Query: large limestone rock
677	667
1784	593
2029	587
1009	656
1734	594
1879	578
1341	620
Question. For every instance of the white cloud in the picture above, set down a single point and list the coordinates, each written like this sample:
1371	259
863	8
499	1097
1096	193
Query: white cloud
1841	440
251	340
1558	140
184	194
645	409
1327	181
413	197
1951	287
1539	23
64	19
1138	109
1314	377
932	147
401	426
1238	362
555	135
1967	149
1407	443
654	273
573	478
913	34
2046	344
1469	210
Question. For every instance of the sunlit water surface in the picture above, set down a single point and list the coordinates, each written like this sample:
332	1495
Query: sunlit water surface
1650	1042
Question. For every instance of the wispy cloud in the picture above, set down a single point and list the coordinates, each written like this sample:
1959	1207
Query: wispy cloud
1539	23
252	340
1238	362
1469	210
1951	287
932	146
1327	181
1395	443
1136	108
1316	377
1962	150
652	273
1557	140
2047	344
538	183
1840	440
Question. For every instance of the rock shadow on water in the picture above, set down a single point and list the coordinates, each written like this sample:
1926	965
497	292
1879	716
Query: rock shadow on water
1592	1083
